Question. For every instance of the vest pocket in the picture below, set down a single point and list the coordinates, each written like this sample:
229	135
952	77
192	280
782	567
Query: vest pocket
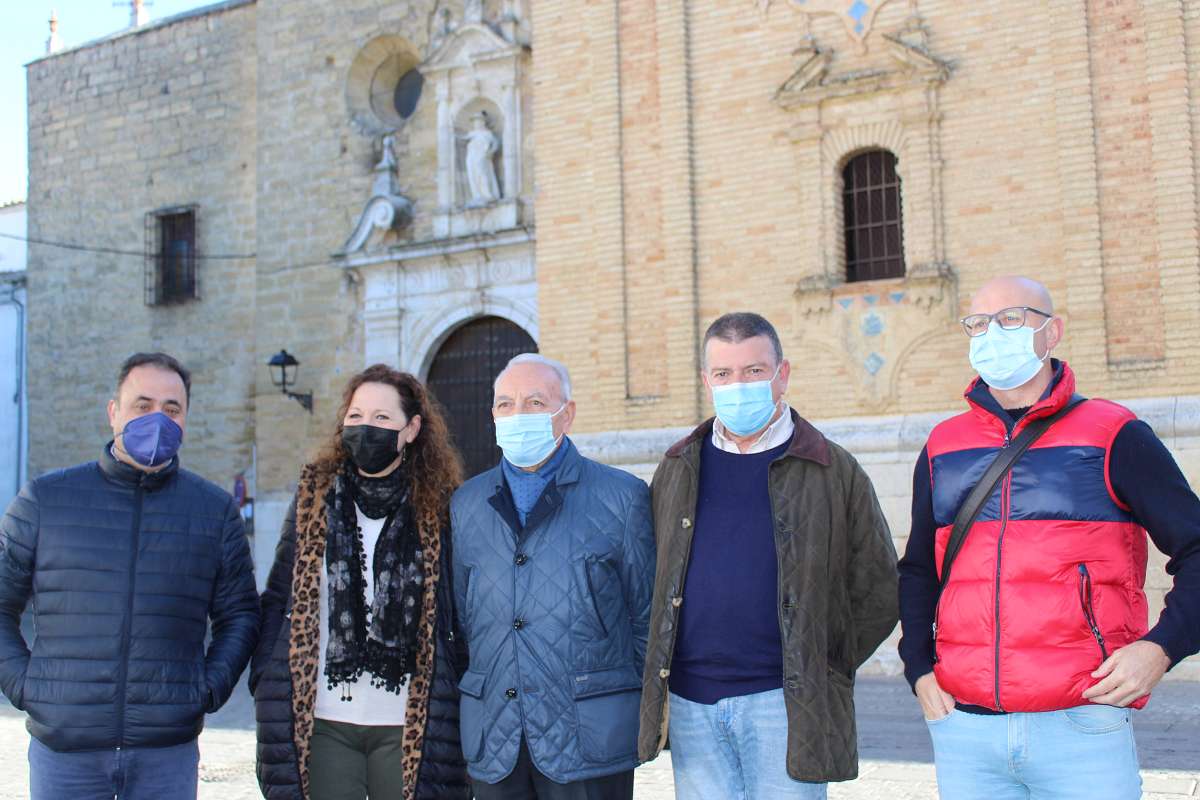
1089	609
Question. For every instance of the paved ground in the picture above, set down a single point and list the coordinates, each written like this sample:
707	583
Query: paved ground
896	763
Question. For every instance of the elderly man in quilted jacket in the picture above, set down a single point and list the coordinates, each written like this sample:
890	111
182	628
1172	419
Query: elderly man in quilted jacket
776	581
553	573
126	560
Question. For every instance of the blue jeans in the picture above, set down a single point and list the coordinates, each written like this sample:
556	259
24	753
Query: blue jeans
144	773
1084	753
735	749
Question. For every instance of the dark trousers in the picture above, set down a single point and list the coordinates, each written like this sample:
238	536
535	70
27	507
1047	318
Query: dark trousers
526	783
351	762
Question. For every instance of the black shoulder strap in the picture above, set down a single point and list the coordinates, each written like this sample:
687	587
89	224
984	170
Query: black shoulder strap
968	512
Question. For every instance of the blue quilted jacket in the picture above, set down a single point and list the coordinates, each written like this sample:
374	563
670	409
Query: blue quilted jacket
125	570
556	615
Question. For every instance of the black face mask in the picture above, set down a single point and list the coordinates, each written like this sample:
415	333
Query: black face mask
372	449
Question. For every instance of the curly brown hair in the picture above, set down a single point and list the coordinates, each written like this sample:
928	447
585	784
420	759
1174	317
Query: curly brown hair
432	461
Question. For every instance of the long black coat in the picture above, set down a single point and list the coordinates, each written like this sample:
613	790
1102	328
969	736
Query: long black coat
283	672
125	569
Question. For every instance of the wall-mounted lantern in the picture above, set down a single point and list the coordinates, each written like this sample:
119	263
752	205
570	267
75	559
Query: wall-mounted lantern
283	366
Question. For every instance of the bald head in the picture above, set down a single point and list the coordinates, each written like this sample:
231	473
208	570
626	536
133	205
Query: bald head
1009	291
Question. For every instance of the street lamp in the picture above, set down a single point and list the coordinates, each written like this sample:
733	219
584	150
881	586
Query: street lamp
283	367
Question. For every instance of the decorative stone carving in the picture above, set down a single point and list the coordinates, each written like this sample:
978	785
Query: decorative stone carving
931	285
812	84
841	105
387	208
814	295
479	67
482	146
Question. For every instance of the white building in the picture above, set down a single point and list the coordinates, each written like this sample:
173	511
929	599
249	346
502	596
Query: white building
14	439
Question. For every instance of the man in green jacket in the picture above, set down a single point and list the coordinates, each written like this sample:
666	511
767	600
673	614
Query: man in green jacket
776	580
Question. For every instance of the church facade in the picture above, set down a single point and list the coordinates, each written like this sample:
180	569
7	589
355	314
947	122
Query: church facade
440	185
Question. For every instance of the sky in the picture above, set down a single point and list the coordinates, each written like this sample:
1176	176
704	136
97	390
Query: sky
23	38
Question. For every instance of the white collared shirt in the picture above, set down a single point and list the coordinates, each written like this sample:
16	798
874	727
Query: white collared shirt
775	434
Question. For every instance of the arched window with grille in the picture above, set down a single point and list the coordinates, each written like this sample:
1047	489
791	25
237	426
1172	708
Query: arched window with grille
873	217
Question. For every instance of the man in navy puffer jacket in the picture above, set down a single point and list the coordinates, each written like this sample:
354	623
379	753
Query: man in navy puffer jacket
126	560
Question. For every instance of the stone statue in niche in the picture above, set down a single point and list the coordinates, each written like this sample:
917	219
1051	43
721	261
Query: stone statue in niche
387	208
482	146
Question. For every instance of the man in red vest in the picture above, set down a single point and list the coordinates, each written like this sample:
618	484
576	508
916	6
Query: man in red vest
1027	661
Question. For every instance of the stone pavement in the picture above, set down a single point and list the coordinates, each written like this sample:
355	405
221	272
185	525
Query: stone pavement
896	763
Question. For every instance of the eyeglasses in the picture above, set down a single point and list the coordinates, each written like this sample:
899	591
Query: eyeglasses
1008	318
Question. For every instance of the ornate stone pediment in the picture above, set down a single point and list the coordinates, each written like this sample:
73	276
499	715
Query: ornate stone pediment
813	82
468	45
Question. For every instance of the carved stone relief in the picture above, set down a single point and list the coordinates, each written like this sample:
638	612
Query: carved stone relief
478	68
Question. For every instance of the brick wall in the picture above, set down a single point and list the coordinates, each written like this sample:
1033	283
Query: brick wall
1066	151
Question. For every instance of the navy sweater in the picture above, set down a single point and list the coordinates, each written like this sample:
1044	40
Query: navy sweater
729	643
1144	476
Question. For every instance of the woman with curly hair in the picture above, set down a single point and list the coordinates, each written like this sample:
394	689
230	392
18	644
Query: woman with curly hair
355	674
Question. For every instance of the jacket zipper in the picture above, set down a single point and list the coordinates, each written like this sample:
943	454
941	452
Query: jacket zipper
937	612
1005	495
1089	608
127	623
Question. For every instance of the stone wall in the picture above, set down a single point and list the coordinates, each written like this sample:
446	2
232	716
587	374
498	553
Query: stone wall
157	117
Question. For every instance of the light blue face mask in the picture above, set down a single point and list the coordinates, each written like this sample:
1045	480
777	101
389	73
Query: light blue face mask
744	408
527	439
1006	359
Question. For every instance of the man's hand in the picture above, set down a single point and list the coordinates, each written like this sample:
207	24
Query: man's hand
935	703
1128	674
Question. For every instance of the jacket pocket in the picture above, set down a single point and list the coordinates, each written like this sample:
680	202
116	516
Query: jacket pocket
467	612
18	698
472	714
590	584
1086	602
606	706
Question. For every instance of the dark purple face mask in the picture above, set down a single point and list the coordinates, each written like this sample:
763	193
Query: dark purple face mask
152	439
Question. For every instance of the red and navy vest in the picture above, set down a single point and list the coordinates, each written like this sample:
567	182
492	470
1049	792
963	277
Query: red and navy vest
1049	580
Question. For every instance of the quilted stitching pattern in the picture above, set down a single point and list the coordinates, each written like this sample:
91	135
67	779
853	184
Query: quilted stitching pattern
837	585
121	615
565	628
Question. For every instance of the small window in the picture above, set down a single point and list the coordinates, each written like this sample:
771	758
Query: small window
171	256
872	213
408	92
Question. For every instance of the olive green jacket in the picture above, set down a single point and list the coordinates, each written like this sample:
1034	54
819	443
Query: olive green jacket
837	592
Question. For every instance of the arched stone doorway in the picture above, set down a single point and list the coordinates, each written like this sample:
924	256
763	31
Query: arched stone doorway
461	377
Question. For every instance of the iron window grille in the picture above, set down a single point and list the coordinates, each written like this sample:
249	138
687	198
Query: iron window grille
170	248
873	217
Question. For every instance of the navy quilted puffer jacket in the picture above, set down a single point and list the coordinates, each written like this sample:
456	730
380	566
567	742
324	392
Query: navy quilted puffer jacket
556	616
125	570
